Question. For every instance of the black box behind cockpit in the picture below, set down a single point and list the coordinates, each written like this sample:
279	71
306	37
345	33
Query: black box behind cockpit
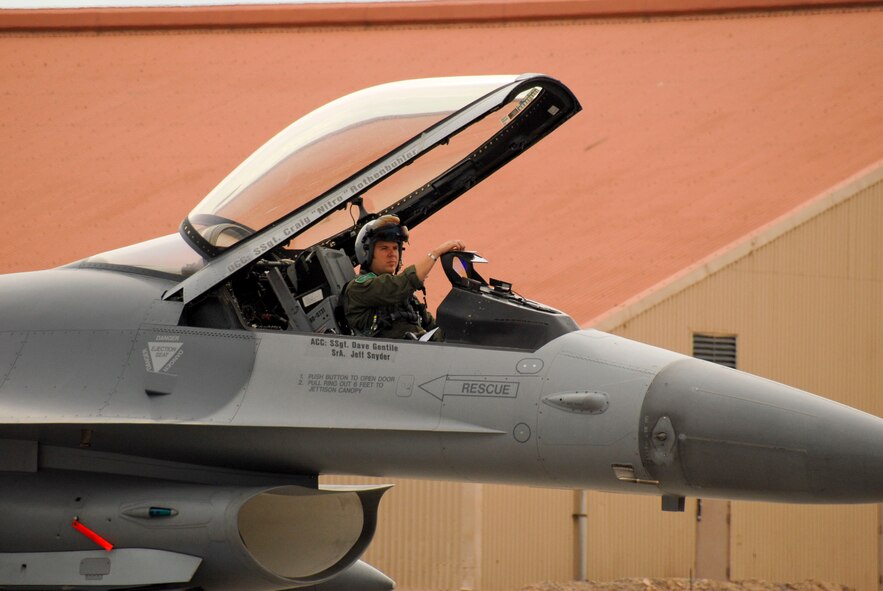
478	314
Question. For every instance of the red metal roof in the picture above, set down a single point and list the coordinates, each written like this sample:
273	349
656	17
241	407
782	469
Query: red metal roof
386	13
696	132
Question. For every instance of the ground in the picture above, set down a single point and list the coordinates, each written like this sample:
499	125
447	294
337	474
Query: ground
644	584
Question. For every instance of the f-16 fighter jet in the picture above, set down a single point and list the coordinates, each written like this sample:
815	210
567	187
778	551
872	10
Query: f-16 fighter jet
166	408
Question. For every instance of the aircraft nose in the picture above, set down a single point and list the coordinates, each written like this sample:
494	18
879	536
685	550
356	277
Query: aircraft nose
711	431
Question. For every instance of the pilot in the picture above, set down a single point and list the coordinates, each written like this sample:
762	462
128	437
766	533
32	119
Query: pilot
380	301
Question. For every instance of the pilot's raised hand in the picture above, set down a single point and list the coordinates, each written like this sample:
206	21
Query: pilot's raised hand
446	247
425	264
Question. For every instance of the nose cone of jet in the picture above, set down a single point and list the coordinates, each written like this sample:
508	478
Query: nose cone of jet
710	431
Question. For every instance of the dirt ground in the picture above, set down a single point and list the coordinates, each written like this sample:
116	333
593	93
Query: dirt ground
645	584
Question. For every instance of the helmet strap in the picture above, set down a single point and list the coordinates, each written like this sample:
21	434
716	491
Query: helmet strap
399	264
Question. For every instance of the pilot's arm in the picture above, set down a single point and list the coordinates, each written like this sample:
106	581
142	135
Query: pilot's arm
423	266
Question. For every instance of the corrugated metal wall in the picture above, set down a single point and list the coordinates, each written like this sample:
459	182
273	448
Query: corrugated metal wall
792	543
435	535
808	311
630	536
528	536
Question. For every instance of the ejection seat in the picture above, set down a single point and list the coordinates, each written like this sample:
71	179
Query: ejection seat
304	296
318	277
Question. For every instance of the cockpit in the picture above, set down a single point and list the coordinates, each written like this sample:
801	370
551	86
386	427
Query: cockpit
272	246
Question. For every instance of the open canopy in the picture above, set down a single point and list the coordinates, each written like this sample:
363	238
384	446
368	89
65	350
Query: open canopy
407	148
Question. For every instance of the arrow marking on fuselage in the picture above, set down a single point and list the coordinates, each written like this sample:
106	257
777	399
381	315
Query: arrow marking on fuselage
477	386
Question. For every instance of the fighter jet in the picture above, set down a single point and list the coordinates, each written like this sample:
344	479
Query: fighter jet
166	408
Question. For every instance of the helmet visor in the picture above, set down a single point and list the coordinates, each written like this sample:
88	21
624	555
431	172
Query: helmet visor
388	228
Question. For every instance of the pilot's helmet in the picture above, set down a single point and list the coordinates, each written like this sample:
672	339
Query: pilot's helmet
386	227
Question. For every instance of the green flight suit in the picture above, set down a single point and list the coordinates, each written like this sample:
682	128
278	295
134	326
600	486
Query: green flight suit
385	306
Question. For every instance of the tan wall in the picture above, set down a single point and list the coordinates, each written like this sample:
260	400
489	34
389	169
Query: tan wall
630	536
808	311
435	535
528	536
792	543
